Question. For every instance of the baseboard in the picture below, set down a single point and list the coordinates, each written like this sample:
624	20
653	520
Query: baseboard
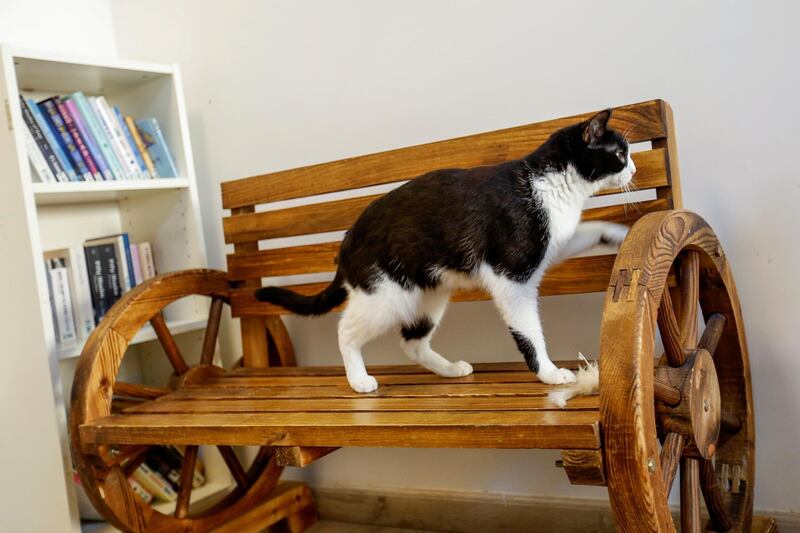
470	512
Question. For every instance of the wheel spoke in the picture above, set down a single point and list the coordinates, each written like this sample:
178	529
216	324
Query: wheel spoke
134	390
690	495
133	463
712	333
168	343
670	332
666	393
212	330
713	497
185	482
690	297
234	466
670	459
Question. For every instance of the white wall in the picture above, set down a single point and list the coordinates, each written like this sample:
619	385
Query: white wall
33	494
272	85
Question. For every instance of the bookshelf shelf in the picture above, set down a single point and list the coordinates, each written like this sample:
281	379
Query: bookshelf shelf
39	217
101	191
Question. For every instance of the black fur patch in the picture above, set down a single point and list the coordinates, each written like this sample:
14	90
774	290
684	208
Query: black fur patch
524	345
418	329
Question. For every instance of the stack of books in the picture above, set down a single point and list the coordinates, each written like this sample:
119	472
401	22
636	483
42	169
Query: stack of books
80	138
158	476
85	281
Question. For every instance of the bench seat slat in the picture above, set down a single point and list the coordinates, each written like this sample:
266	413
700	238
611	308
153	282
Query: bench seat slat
341	214
643	122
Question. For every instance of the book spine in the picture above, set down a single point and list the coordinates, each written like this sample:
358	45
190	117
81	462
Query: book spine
86	135
111	271
37	159
137	264
102	119
123	264
97	282
52	299
137	138
119	138
129	259
61	299
154	483
158	464
146	256
143	172
69	122
66	164
157	145
140	491
101	139
41	141
81	293
50	112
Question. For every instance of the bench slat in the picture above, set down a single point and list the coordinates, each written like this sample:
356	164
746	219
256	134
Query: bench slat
377	370
651	172
398	379
575	276
465	429
315	258
646	122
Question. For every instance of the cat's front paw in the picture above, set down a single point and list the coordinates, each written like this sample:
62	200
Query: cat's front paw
614	234
556	376
457	370
365	383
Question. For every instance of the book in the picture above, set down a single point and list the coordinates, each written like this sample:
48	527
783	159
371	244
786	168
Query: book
174	458
53	117
155	459
140	491
137	264
41	141
60	300
52	141
101	262
154	483
37	159
100	137
124	264
147	262
137	138
80	294
108	131
88	139
143	172
118	137
153	138
72	128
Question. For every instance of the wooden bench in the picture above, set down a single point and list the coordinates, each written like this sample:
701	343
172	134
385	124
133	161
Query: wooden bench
692	408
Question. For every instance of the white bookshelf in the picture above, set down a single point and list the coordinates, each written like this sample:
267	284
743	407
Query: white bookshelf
37	216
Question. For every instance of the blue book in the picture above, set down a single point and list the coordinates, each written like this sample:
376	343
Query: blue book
88	139
134	148
41	141
51	140
53	117
100	138
157	146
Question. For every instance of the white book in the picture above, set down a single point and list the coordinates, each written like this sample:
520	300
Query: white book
119	137
62	303
108	128
81	292
37	158
146	257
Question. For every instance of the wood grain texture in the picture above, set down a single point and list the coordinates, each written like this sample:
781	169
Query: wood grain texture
584	467
185	482
670	331
710	487
341	214
169	344
300	456
690	495
670	459
212	331
646	122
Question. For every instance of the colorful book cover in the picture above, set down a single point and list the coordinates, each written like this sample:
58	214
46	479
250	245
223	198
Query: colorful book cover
72	128
137	138
50	112
98	132
88	139
119	138
66	164
143	172
44	146
109	133
137	264
37	159
157	146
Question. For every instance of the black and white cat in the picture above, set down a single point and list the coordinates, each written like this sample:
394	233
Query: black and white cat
495	227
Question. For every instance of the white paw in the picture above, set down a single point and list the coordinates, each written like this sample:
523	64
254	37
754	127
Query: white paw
365	383
614	234
457	370
556	376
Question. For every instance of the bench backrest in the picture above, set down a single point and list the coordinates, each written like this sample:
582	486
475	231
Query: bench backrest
245	227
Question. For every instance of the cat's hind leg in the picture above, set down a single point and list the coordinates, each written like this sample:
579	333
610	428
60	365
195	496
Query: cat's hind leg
417	335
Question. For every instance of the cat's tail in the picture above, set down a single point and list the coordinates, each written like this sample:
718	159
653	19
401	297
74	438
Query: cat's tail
318	304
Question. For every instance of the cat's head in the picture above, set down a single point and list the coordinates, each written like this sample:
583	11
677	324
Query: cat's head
601	155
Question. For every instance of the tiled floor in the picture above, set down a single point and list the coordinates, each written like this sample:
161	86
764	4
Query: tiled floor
341	527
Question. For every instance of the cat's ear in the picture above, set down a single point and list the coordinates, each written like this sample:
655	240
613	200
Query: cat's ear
595	128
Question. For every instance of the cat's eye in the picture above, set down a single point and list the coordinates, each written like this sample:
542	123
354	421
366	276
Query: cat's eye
621	155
